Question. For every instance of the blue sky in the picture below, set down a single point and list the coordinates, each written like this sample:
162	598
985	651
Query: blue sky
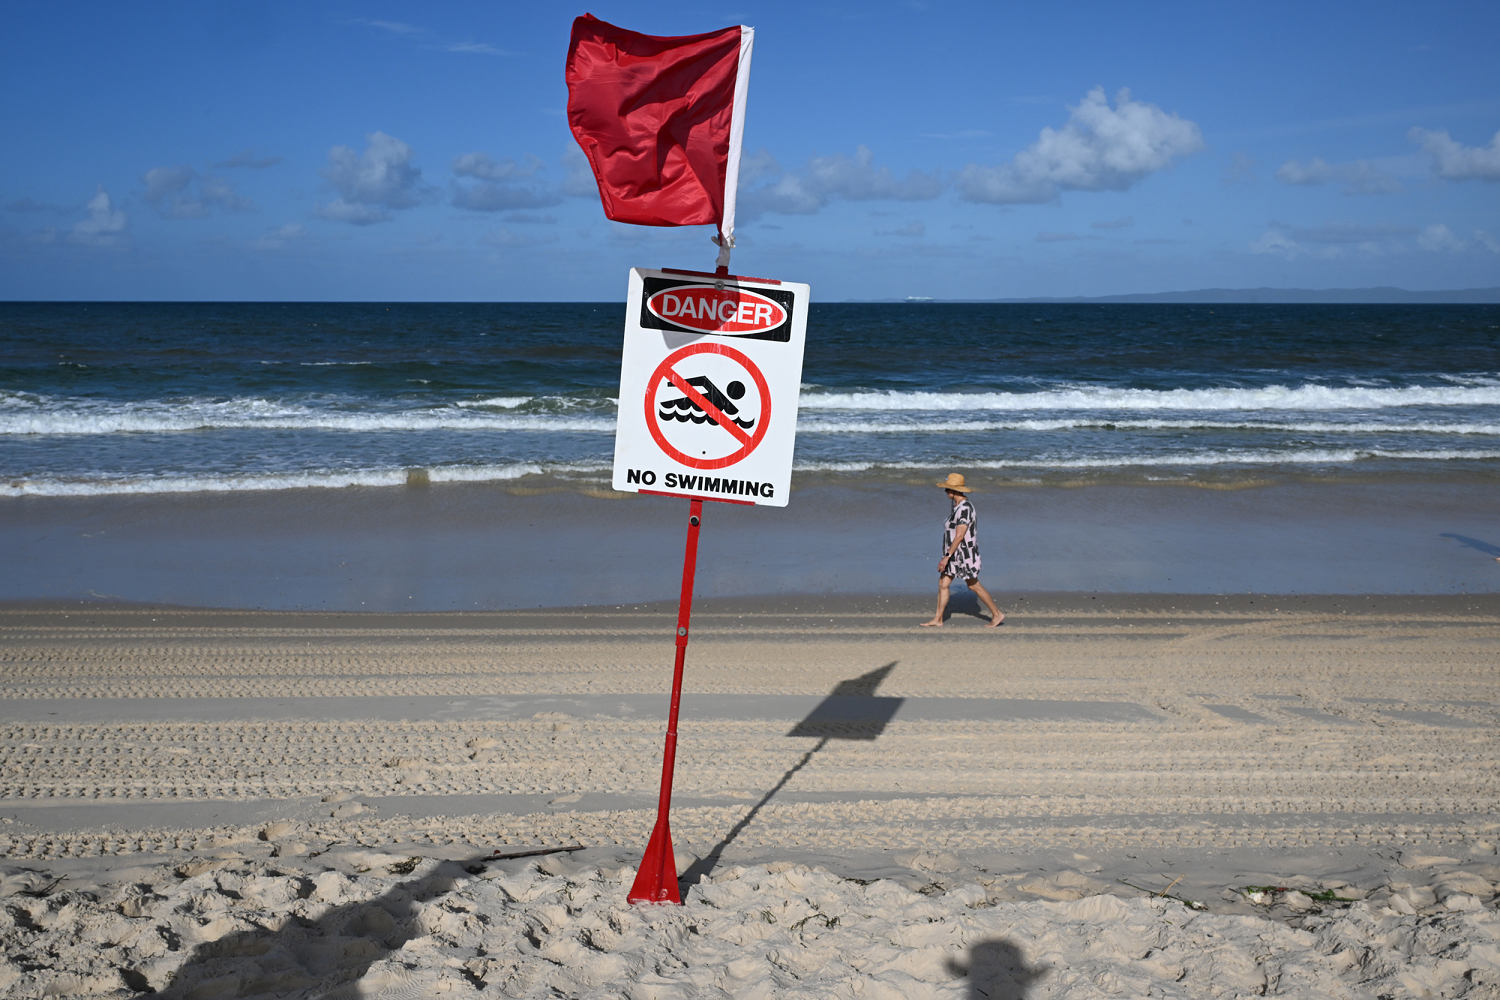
379	151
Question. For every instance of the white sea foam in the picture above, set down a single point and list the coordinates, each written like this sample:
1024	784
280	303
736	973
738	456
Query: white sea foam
312	479
156	419
1311	456
1098	398
43	486
84	418
496	402
819	424
28	415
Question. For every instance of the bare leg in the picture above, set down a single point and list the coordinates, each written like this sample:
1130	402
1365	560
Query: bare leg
996	618
944	582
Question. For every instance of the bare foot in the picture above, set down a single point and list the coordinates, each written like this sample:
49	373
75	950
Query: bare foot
996	621
935	623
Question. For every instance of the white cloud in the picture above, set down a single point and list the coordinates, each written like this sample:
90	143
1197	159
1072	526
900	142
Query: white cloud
824	179
1456	161
32	205
857	178
1277	242
482	166
756	167
105	224
1342	240
163	183
1438	238
170	190
1101	148
487	196
788	195
372	183
1357	177
495	188
218	191
578	176
1333	240
1352	233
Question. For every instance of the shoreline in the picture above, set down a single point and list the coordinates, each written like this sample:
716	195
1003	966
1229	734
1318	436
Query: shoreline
485	547
964	609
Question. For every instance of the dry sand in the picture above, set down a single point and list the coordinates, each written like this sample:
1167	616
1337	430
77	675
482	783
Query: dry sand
1110	796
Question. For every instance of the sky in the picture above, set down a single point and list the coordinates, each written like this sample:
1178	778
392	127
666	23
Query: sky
370	151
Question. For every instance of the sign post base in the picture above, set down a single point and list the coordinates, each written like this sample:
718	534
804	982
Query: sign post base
656	881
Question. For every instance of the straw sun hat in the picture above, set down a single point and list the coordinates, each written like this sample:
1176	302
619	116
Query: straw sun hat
955	482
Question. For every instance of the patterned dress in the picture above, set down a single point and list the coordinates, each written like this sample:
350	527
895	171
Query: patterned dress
965	561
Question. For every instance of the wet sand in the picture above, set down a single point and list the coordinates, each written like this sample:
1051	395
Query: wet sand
494	547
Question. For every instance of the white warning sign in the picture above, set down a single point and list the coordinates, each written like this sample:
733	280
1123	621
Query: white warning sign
710	374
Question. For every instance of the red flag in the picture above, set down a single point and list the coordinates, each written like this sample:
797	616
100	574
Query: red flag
660	120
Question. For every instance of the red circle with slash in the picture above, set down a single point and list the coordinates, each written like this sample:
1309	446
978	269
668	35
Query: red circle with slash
667	370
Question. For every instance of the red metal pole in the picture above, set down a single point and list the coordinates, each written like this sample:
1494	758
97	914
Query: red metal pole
656	881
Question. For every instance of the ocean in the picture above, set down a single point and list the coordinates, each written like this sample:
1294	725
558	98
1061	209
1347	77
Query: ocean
151	398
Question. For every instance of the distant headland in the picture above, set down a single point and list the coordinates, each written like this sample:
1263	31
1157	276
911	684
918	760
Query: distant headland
1383	295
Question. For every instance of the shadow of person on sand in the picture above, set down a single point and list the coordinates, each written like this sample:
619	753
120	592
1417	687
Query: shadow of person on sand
325	957
965	602
852	711
1474	543
996	970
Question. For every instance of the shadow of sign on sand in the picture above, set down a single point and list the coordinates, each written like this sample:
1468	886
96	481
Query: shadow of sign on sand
852	711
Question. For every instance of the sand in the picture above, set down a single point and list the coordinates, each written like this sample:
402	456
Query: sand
1111	796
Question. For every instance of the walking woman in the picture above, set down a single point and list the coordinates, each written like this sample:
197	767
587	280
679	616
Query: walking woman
960	552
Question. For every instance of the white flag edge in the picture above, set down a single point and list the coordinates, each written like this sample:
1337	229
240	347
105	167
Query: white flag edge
736	143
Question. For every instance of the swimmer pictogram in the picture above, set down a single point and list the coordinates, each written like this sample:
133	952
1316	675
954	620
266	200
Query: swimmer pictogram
684	408
695	422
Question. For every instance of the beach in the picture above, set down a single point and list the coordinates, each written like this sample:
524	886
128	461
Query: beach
1124	791
331	666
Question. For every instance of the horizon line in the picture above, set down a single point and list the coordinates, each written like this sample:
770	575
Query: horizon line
1262	295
